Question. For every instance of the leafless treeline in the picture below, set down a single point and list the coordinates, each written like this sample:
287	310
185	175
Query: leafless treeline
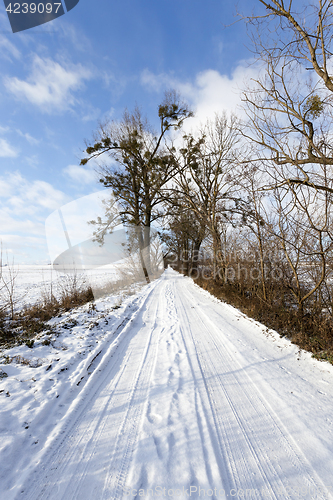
245	204
252	205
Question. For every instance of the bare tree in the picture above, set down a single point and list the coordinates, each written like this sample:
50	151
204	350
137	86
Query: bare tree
290	108
208	180
257	219
8	289
304	231
3	302
143	165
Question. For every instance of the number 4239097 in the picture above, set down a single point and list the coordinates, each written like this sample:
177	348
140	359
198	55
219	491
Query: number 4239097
33	8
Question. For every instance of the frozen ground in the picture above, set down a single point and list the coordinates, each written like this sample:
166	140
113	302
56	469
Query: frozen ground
172	394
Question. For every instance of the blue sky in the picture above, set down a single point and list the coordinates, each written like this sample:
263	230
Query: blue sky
58	80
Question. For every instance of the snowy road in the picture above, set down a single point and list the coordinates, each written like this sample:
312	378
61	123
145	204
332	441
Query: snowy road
195	401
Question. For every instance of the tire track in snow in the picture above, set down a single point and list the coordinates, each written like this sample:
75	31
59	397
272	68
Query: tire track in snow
227	473
173	406
256	440
95	419
128	433
180	437
142	475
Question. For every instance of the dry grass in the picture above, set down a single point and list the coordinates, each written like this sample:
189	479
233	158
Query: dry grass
31	321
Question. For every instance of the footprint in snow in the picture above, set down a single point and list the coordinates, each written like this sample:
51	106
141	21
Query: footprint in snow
152	417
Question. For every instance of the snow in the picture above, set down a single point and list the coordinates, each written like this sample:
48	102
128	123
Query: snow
165	393
33	282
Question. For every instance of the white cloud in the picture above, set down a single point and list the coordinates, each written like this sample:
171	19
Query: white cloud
24	207
32	160
8	49
80	175
28	137
215	92
210	92
91	114
73	36
50	85
5	188
6	150
21	197
10	225
44	195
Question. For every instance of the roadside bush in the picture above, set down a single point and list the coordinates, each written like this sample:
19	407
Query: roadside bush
313	331
31	321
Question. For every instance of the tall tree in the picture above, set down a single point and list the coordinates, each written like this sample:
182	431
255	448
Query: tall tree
142	166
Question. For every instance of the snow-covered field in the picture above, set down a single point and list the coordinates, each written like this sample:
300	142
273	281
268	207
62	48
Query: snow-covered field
172	394
33	282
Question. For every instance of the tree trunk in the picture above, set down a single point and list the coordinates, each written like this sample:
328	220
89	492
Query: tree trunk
195	258
143	251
